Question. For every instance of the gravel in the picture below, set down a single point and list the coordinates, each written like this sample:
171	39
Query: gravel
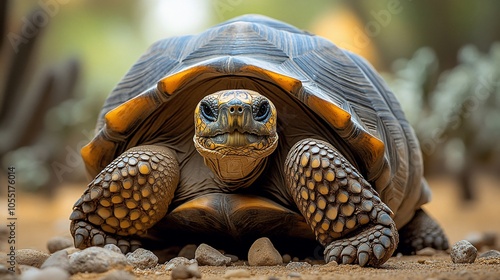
49	273
427	251
31	257
58	243
491	254
142	258
58	259
178	261
463	252
207	255
237	273
113	247
298	265
117	275
286	258
263	253
96	259
188	251
185	272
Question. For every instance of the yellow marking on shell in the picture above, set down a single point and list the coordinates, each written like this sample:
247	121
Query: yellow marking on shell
347	209
323	189
134	214
312	207
173	82
351	223
363	219
104	212
125	223
96	154
330	176
127	184
123	117
114	187
131	204
105	202
112	221
342	196
321	202
331	212
289	84
318	176
116	199
318	216
338	226
315	163
304	159
120	212
332	113
144	168
325	225
304	194
108	228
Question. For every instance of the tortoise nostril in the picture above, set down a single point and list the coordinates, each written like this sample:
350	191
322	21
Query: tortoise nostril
236	109
240	110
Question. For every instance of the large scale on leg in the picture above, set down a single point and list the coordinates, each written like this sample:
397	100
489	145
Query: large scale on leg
288	129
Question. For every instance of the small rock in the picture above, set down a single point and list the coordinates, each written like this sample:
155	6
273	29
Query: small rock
49	273
286	258
178	261
298	265
232	257
142	258
262	252
188	251
206	255
491	254
58	259
237	273
427	251
294	275
58	243
118	275
331	263
463	252
96	259
31	257
185	272
295	259
113	247
71	250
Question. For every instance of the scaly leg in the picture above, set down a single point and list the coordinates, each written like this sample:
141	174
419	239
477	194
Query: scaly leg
129	196
343	210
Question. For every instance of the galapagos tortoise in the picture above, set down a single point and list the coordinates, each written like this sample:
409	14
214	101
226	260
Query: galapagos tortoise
293	139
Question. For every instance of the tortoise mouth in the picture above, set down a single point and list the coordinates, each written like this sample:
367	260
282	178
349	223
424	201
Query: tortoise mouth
237	138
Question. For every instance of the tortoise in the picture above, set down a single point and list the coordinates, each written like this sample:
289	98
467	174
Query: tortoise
293	138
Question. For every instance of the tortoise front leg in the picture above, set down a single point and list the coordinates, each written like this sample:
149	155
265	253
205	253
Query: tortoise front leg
128	197
343	210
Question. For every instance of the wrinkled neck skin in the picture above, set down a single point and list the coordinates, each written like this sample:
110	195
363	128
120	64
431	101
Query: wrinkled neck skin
236	170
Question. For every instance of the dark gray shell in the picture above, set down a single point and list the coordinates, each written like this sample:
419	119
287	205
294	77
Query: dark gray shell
294	69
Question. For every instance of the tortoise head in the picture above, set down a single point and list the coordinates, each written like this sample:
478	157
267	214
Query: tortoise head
235	131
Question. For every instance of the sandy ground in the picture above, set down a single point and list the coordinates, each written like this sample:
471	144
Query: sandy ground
39	219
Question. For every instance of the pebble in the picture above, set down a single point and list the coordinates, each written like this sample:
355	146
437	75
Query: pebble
463	252
286	258
96	259
188	251
58	259
491	254
427	251
142	259
262	252
185	272
232	257
237	273
294	275
31	257
207	255
113	247
58	243
49	273
178	261
118	275
298	265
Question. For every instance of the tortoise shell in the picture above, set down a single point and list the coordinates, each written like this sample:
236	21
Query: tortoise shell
317	88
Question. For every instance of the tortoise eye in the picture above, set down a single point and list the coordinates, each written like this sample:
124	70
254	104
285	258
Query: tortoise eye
207	112
263	111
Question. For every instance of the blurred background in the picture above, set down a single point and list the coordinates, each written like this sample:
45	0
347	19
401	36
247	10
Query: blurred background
60	58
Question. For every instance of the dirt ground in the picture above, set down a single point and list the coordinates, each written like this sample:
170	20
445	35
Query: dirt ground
39	219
